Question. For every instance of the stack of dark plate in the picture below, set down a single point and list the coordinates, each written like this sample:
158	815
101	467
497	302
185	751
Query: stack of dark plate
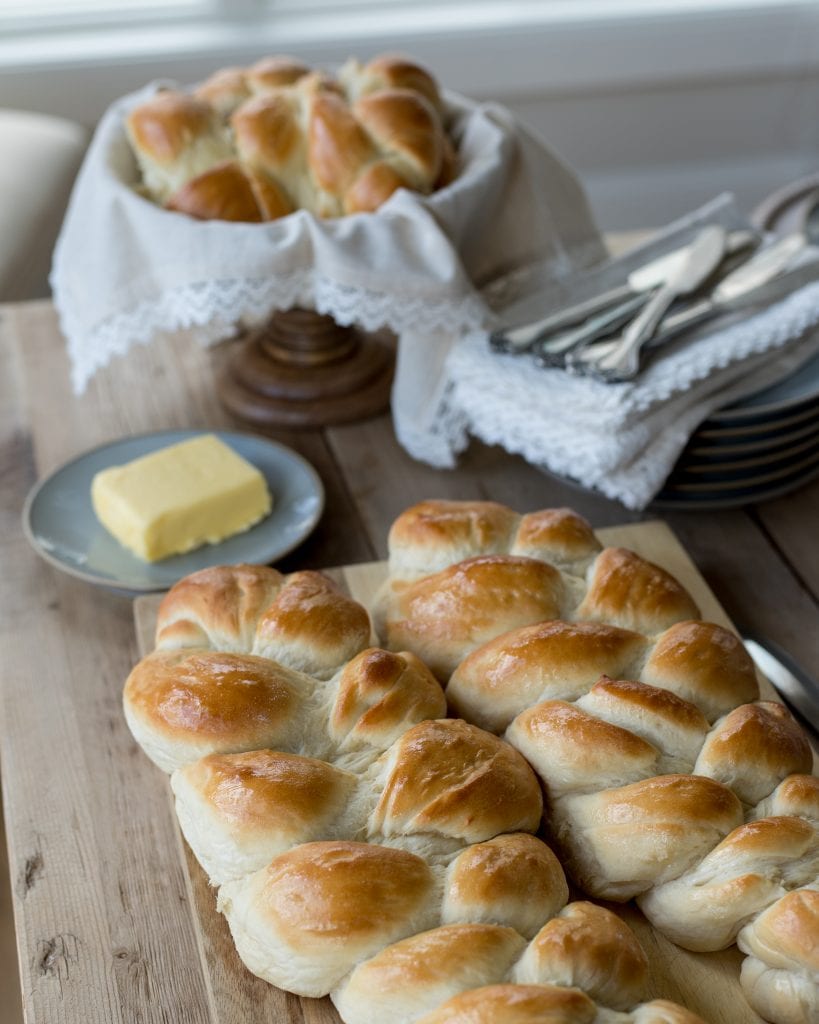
758	449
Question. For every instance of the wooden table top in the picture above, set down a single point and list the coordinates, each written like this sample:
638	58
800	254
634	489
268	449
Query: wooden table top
99	890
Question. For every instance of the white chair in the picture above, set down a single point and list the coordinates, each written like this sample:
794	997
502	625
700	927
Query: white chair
39	159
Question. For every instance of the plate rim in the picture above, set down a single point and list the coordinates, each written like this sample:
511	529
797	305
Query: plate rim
113	584
694	449
728	415
741	484
811	411
673	503
749	464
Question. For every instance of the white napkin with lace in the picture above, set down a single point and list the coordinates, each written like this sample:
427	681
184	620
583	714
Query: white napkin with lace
126	271
620	439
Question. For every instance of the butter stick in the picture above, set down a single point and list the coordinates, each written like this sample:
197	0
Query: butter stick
180	497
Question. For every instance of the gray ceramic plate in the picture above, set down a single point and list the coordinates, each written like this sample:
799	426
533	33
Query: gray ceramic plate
773	405
755	444
735	499
59	520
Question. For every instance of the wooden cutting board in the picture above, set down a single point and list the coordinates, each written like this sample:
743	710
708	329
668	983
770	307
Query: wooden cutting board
707	983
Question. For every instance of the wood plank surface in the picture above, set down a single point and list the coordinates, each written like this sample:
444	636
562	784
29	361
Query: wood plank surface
706	983
104	905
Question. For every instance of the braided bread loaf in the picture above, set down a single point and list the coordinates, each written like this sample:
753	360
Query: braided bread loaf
644	725
255	144
363	845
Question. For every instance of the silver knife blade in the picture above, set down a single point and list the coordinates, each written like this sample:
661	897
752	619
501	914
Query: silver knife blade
798	690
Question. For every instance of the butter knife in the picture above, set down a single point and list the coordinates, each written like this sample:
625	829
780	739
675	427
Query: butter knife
703	258
798	690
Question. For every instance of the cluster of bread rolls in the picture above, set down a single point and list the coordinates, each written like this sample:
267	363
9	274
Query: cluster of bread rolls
254	144
666	778
363	844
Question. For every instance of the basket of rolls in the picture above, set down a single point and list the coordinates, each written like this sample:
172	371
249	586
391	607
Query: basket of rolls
311	207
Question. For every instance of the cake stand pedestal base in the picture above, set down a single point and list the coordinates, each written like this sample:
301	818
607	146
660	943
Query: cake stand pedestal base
301	369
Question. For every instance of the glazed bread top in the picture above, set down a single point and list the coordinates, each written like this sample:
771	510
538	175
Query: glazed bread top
255	144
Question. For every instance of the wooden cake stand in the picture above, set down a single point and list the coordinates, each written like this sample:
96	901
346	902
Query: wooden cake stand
301	369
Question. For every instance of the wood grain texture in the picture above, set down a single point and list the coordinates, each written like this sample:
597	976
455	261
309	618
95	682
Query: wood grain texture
706	983
92	847
792	523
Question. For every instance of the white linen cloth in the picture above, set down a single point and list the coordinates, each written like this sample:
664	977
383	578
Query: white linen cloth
620	439
126	271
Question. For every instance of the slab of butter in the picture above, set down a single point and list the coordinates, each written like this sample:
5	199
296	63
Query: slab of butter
178	498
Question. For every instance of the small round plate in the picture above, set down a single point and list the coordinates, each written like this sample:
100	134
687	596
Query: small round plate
740	481
729	468
700	447
773	427
798	392
713	501
60	523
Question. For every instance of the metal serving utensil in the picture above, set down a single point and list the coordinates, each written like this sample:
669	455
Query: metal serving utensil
639	283
703	258
744	286
797	689
551	349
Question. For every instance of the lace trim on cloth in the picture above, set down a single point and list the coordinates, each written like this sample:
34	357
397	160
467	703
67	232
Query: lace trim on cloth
216	307
439	441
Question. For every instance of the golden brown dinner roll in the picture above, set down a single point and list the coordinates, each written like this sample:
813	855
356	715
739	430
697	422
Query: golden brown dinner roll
304	921
626	590
586	947
269	138
434	534
705	664
224	90
303	620
590	948
238	811
272	73
796	795
451	779
217	607
417	974
619	842
780	977
389	71
550	660
512	880
227	191
181	705
312	625
674	726
575	752
175	138
753	748
444	617
558	536
704	908
516	1004
228	88
379	695
404	125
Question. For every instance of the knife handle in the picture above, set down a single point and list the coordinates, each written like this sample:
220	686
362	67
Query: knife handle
520	339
